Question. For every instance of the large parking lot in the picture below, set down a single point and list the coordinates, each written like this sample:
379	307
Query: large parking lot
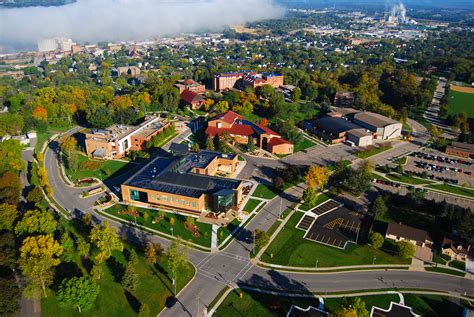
440	167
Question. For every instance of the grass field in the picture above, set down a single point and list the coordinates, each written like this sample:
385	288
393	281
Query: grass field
265	192
445	271
303	145
407	179
290	248
321	198
251	205
153	288
458	264
224	232
469	192
106	170
262	305
164	225
372	151
461	102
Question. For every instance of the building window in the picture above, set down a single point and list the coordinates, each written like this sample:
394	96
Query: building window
171	199
193	204
182	202
165	198
158	197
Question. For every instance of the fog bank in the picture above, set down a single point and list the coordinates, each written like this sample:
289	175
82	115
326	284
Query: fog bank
115	20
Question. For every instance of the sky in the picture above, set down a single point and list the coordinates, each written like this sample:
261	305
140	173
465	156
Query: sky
122	20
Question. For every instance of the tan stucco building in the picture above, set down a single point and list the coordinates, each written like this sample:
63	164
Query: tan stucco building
118	140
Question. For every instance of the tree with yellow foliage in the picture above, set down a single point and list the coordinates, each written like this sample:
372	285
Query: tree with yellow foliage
317	176
38	256
106	240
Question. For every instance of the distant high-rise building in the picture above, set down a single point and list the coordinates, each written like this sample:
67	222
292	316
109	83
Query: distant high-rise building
54	44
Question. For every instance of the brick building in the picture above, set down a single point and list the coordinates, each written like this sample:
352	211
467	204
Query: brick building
240	80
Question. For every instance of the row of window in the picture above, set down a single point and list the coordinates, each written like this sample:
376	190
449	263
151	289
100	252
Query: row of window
173	200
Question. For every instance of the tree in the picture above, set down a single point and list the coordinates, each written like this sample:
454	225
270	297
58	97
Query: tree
68	143
130	277
8	215
83	248
435	131
417	195
38	256
10	188
359	305
221	106
78	292
36	221
317	176
278	182
210	144
310	196
376	240
261	238
10	296
296	94
8	250
251	144
152	251
405	249
40	113
378	207
35	196
177	258
106	240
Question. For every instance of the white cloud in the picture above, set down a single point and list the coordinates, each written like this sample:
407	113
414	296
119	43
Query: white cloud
113	20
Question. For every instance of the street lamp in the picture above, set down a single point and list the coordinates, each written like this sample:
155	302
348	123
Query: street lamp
317	261
373	261
172	231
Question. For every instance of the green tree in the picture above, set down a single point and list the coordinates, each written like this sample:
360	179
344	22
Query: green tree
8	250
210	144
83	248
38	256
405	249
261	238
310	196
78	292
221	106
251	144
177	258
376	240
130	277
359	305
152	251
378	207
10	296
36	221
106	240
8	215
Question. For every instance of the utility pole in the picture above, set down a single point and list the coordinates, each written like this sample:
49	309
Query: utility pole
317	261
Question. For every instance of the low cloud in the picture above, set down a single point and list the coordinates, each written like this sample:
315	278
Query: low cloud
115	20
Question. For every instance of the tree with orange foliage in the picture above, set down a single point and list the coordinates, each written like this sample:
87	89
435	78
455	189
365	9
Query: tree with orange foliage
264	122
317	176
40	113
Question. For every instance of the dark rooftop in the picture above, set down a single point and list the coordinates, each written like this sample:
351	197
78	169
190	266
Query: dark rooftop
162	175
407	232
335	125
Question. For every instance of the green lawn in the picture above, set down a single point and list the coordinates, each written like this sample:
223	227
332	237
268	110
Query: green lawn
254	304
41	137
165	226
446	271
224	232
461	102
290	248
382	301
458	264
439	259
407	179
372	151
321	198
401	160
469	192
251	205
303	145
265	192
432	305
153	288
105	170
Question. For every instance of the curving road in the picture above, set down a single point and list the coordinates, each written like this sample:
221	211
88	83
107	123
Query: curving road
216	270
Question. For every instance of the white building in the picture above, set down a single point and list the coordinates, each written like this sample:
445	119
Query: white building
383	127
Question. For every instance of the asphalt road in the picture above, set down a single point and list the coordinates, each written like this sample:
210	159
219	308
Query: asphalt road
216	270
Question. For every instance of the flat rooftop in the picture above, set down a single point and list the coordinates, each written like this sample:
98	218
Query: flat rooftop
172	175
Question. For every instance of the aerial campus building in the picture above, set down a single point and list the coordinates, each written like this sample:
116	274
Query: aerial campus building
241	80
186	183
118	140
